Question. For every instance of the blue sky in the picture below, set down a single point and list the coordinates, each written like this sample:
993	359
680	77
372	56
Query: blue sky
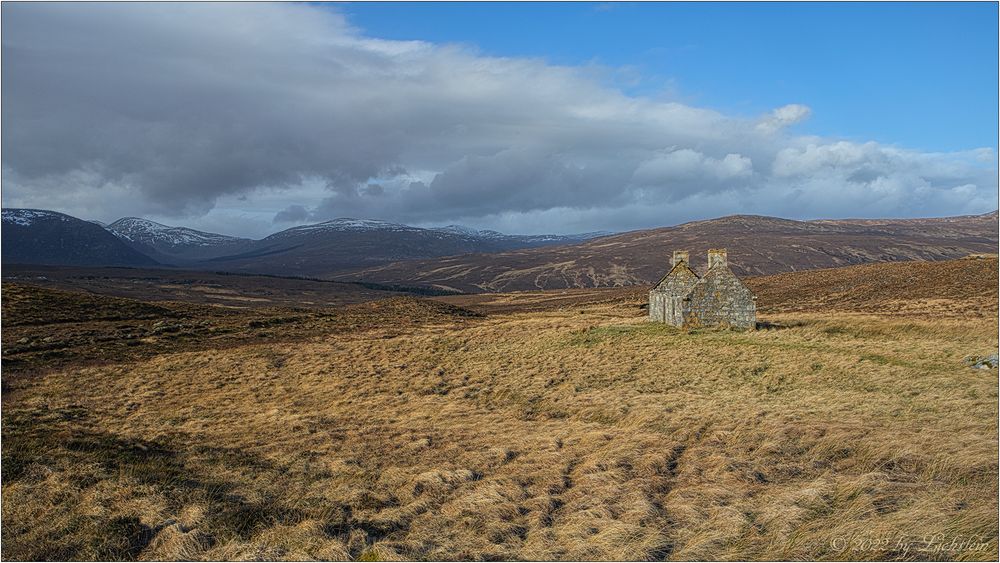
247	118
920	75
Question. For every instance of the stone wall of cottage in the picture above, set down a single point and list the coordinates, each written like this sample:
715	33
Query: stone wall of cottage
666	299
720	299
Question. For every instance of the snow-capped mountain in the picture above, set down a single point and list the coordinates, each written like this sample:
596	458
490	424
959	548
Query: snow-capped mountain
347	243
343	225
470	232
180	243
143	230
37	236
346	224
29	217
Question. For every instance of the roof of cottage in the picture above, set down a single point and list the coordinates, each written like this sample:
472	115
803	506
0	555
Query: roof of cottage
679	268
714	274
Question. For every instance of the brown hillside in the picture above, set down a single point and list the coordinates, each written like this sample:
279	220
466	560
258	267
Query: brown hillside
960	287
757	246
964	287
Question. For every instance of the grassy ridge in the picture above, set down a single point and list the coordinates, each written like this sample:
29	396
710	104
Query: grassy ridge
572	434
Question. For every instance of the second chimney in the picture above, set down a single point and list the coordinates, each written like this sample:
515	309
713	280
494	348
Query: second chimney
717	257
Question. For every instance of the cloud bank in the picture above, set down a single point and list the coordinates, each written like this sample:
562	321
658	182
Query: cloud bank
247	116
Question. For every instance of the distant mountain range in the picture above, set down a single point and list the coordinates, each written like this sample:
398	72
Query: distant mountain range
757	246
464	259
309	250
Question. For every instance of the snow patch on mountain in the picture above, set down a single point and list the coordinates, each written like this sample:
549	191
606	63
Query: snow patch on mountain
473	233
134	229
26	217
495	235
346	224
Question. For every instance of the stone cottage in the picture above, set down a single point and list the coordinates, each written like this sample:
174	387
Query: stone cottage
717	299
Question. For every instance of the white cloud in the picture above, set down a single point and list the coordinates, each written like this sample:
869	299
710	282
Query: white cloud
813	158
688	164
242	114
783	117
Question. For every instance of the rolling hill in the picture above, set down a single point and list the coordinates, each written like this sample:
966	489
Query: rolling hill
965	287
35	236
343	244
174	243
757	246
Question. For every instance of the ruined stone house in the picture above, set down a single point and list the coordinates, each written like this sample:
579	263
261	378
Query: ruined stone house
716	299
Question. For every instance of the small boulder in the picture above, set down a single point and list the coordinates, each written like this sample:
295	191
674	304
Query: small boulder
983	362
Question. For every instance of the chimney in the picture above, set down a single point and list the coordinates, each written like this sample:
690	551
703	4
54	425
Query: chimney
717	257
679	256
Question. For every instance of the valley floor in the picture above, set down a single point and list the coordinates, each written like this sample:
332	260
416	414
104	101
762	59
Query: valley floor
569	432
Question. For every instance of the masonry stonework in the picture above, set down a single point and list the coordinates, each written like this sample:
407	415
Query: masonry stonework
667	304
717	299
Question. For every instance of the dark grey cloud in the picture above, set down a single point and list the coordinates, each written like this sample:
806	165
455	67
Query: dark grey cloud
292	214
249	114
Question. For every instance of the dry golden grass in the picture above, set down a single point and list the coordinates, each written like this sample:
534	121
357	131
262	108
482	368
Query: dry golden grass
572	434
48	329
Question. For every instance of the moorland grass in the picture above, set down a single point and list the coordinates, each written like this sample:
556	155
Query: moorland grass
541	435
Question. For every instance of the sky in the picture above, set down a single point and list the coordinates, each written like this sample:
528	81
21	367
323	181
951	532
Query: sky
247	119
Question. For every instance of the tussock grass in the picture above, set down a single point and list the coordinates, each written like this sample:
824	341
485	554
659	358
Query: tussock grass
541	435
